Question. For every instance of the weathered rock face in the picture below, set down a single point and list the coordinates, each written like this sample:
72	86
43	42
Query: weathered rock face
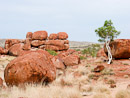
29	35
58	62
3	51
16	49
101	52
62	35
57	48
71	60
39	35
120	48
53	36
27	45
37	43
33	67
55	42
10	42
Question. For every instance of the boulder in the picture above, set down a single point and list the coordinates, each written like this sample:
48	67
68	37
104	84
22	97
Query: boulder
62	35
10	42
66	41
53	36
29	35
55	42
3	51
99	68
42	47
1	82
101	52
40	35
120	48
57	48
37	43
16	49
71	60
31	68
58	62
27	44
38	51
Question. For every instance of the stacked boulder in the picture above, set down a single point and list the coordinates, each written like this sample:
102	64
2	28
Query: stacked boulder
56	42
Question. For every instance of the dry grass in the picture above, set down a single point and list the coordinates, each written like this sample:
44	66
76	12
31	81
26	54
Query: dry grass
123	94
33	91
101	95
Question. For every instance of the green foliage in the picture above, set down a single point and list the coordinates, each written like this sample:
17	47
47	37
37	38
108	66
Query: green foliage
92	50
52	52
82	58
77	49
107	30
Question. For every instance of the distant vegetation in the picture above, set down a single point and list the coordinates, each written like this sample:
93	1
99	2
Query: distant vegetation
91	50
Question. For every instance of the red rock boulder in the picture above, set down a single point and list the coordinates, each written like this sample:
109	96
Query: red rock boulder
3	51
57	48
10	42
120	48
42	47
27	44
16	49
55	42
53	36
40	35
71	60
37	43
58	62
31	68
99	68
62	35
101	52
29	35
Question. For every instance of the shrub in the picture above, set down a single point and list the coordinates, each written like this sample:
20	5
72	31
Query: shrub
91	50
82	58
52	52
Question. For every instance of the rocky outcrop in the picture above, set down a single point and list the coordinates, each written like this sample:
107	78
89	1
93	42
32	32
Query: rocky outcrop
33	67
120	48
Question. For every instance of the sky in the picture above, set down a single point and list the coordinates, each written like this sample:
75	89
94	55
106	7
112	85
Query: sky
79	18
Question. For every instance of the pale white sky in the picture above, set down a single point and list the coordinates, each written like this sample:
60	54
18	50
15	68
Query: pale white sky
79	18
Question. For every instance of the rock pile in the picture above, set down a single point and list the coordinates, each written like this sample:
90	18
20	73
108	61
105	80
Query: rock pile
33	64
40	39
35	41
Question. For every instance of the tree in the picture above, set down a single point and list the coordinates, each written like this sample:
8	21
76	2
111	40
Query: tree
107	33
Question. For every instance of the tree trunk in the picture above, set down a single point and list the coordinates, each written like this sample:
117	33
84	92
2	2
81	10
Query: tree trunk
109	51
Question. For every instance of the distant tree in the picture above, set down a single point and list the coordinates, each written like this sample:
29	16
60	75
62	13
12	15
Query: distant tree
107	33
